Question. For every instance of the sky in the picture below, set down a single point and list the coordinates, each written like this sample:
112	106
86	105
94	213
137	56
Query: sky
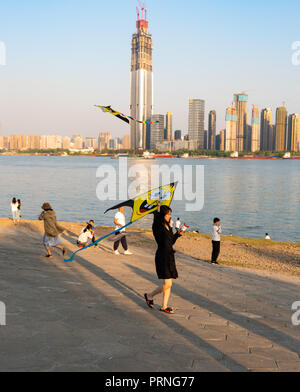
65	56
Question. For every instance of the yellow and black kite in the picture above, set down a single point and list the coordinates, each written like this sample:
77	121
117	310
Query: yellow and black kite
123	117
142	205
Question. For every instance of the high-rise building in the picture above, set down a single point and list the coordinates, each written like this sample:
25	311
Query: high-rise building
265	124
212	126
169	126
178	135
126	142
241	101
271	138
205	140
66	143
231	130
91	142
141	86
4	142
156	130
17	142
103	140
34	142
281	126
255	130
196	121
293	133
222	140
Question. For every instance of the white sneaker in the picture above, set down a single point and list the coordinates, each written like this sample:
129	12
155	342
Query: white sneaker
128	253
117	253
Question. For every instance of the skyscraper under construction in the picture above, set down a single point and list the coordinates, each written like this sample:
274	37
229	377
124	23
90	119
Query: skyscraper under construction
141	83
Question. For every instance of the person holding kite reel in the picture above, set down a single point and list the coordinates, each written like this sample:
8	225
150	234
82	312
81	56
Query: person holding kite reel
164	258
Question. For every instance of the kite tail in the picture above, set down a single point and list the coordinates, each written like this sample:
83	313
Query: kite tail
95	243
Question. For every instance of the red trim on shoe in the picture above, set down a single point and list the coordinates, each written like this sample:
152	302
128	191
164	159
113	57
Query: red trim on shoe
168	310
148	302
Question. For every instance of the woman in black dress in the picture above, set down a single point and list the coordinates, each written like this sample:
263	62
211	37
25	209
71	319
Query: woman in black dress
164	259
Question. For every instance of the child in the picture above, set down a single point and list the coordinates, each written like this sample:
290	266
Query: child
85	235
216	240
19	209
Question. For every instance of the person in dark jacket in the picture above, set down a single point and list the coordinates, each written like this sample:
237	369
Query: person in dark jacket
165	256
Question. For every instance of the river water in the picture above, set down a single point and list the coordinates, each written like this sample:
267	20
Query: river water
251	197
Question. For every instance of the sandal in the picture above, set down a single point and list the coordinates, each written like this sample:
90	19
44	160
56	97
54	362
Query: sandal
168	310
49	256
149	303
64	251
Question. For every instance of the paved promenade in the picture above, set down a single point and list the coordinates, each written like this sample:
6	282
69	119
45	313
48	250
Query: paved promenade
90	315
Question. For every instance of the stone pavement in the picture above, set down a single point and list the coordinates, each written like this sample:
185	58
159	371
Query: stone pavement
90	315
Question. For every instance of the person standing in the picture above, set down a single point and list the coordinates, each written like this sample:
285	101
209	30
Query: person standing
216	240
52	230
15	211
165	257
120	222
19	209
178	225
267	237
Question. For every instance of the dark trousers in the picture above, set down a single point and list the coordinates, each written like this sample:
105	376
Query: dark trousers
123	241
216	251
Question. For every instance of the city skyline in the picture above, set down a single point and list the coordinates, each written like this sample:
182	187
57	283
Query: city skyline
39	80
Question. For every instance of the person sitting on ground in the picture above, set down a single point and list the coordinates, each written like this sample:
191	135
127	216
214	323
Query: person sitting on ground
85	235
91	223
52	230
267	237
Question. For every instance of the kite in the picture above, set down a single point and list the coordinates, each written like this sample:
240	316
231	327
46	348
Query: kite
123	117
142	205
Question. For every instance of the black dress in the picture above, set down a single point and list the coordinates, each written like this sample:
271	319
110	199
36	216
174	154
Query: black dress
165	255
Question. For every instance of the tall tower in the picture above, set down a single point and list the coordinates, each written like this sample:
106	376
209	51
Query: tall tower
196	122
265	130
212	127
293	133
169	126
231	129
141	81
241	101
281	126
255	130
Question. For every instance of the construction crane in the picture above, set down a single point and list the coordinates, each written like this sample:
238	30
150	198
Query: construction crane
138	13
143	9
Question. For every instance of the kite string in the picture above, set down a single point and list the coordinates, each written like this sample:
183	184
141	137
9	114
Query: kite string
96	242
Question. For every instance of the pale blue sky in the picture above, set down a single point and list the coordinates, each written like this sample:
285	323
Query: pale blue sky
64	56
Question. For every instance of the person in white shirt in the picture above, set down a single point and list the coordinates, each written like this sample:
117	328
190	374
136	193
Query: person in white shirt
121	222
178	225
216	240
85	235
267	237
15	211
